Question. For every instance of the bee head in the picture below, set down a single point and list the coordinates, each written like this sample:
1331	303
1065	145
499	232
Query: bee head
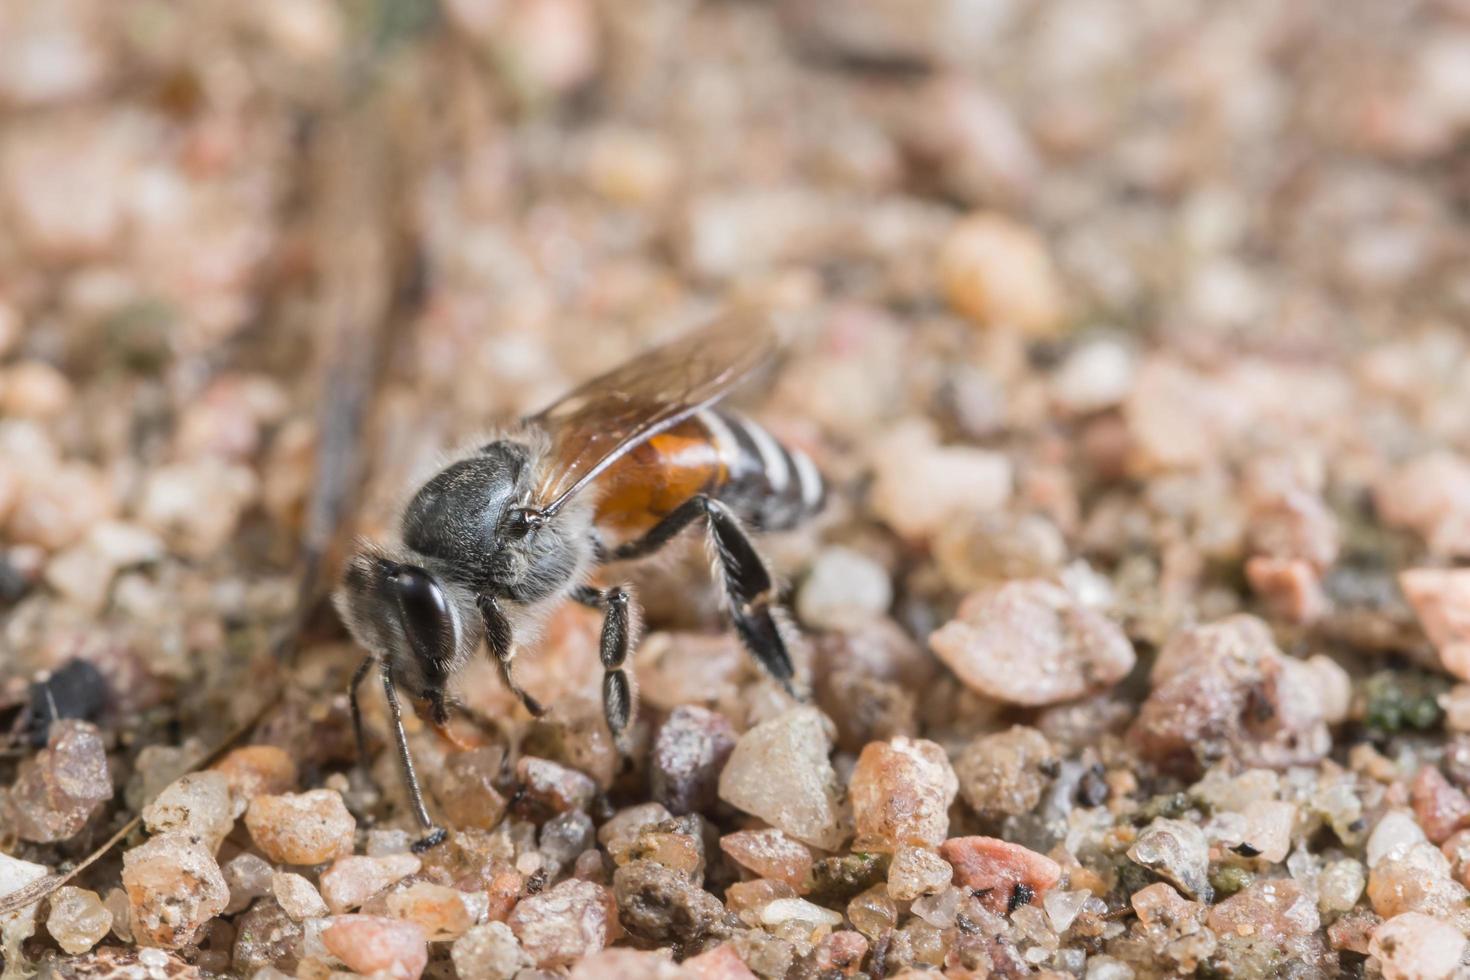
403	613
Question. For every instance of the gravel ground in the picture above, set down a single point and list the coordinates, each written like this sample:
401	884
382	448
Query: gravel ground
1129	335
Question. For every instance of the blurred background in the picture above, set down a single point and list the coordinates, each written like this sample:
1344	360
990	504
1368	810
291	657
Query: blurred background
1033	256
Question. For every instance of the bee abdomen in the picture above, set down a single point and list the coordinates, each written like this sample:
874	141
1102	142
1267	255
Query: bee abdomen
769	485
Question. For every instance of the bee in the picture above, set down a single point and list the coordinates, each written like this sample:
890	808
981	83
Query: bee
611	472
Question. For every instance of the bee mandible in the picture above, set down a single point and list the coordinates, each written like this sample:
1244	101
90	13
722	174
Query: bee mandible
611	472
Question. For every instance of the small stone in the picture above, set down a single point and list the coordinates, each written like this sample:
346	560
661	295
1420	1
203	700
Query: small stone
1418	880
986	550
252	770
58	790
720	963
297	896
999	273
566	836
1441	600
746	898
1340	884
901	791
1413	946
117	906
1440	808
1159	903
920	487
1006	772
661	906
1062	908
197	805
627	964
54	512
442	912
1005	873
1289	587
352	879
691	748
489	952
769	854
628	823
779	771
1094	377
266	937
1430	496
465	788
555	786
197	505
916	871
1270	909
843	587
1031	643
784	910
369	944
941	909
301	828
78	920
1177	852
873	912
562	925
248	876
174	887
1268	828
1396	832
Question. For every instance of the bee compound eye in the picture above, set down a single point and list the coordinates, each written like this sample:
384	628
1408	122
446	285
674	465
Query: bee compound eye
425	611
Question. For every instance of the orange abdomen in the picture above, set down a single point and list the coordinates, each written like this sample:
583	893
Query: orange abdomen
656	477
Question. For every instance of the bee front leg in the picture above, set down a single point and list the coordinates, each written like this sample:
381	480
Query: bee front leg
433	835
502	645
617	640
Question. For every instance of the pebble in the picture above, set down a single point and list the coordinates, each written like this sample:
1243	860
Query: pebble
1441	809
719	963
996	868
1430	496
370	944
197	805
297	896
1413	946
998	273
1268	828
1395	833
900	792
564	924
34	390
1006	772
1340	884
117	906
252	770
842	587
1224	691
554	786
770	854
442	912
691	748
986	550
920	487
1062	908
489	952
266	937
916	871
627	964
465	788
174	888
1094	377
661	906
786	910
566	836
197	505
779	771
1031	643
78	920
1441	599
873	912
57	790
248	876
301	828
55	512
1272	910
1177	852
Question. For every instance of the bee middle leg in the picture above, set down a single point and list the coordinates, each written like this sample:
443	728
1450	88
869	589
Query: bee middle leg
617	641
749	587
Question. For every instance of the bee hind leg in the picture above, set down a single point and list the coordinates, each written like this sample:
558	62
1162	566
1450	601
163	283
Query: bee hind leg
618	692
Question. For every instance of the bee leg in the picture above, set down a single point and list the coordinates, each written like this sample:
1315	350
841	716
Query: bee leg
617	641
434	835
353	694
663	532
502	645
751	592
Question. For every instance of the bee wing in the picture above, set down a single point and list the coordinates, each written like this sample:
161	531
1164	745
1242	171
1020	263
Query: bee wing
598	422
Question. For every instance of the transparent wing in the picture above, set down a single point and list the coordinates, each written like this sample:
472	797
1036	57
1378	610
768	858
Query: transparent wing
598	422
